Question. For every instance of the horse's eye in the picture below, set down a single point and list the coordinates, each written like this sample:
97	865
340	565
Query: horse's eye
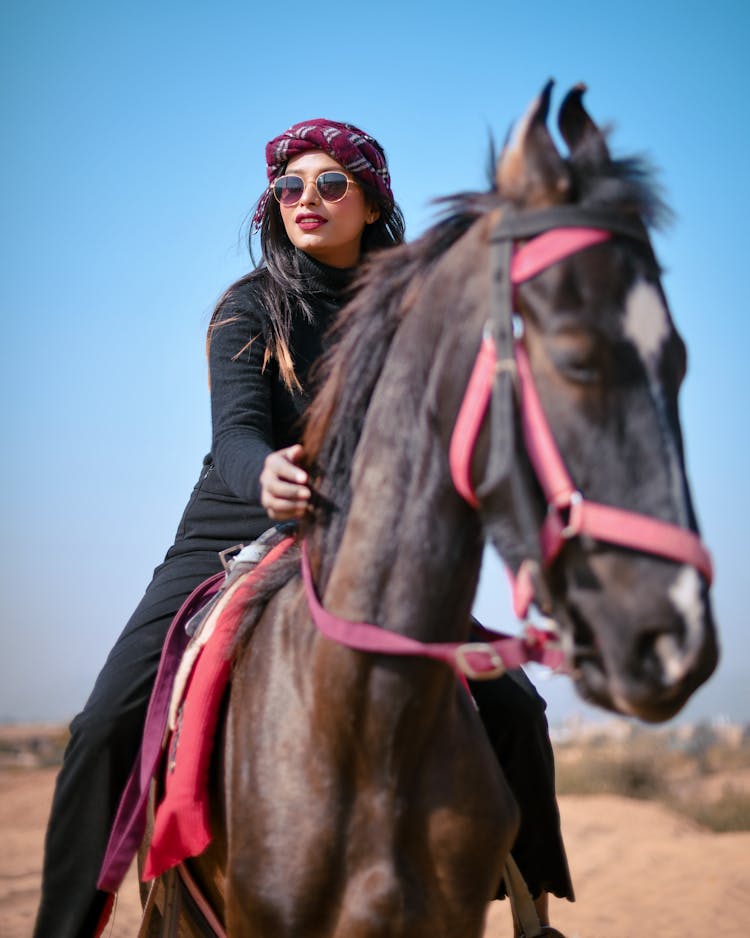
576	356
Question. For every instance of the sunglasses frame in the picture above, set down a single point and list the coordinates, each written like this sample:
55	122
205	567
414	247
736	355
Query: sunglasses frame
305	183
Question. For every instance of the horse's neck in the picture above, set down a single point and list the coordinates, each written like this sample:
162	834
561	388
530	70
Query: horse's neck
408	561
406	556
409	557
409	553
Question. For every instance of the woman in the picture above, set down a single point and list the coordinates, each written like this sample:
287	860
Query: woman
328	204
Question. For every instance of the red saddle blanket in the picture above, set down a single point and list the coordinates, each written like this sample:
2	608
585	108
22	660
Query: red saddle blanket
181	827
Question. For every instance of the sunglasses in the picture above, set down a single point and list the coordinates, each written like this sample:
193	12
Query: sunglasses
332	186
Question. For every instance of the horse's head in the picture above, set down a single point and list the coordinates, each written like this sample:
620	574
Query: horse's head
628	588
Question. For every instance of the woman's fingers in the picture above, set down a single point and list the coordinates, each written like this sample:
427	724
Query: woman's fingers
284	490
280	471
287	460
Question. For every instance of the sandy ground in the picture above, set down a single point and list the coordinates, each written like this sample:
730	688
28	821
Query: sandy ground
639	870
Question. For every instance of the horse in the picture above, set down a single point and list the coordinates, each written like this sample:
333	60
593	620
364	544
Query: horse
514	370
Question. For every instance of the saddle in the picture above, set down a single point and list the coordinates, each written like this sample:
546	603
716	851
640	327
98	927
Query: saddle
182	823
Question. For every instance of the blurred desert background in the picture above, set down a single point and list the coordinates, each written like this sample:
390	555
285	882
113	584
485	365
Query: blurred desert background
656	822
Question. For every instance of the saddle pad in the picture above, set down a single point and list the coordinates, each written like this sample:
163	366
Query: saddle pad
182	825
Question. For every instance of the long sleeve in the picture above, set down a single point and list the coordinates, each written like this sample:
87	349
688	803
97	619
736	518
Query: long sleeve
252	411
241	404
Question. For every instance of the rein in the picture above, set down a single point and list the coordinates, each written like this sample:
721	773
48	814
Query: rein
475	660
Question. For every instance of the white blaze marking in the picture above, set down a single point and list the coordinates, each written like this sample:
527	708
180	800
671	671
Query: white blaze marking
648	327
685	596
646	323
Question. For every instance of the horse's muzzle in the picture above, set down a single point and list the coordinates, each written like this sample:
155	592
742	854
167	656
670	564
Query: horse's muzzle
650	658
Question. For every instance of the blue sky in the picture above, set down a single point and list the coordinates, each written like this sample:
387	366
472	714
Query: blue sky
133	150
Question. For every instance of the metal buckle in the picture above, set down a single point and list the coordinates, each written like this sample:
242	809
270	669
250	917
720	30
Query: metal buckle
462	661
575	516
226	556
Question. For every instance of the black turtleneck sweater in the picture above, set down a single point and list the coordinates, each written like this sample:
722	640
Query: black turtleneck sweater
252	411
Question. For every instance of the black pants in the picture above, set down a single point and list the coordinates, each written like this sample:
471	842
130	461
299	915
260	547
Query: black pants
104	741
106	735
514	717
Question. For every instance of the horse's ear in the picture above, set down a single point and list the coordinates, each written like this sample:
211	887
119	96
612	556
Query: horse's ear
584	139
530	171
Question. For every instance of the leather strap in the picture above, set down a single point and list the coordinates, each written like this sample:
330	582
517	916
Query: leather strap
475	660
470	419
524	910
517	226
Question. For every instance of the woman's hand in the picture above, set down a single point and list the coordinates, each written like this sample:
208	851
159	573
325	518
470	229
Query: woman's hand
284	491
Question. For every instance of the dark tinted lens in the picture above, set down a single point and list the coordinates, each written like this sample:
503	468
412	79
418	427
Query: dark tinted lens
332	186
288	189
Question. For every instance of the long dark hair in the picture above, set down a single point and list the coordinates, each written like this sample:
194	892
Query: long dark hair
280	287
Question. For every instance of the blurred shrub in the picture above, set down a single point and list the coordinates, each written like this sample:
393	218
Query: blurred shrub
730	812
630	776
679	768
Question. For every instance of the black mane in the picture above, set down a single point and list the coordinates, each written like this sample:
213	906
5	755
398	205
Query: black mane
628	185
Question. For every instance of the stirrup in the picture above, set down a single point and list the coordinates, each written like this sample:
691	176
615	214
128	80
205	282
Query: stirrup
524	912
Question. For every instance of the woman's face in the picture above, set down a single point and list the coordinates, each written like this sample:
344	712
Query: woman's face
331	232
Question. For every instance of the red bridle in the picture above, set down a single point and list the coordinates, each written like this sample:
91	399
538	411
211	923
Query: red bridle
569	514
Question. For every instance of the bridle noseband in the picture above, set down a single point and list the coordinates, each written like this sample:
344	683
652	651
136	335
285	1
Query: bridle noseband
554	235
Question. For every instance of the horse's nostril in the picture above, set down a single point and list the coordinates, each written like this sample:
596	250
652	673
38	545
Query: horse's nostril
647	660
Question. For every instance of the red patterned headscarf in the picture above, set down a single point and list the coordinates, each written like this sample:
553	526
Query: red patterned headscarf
355	150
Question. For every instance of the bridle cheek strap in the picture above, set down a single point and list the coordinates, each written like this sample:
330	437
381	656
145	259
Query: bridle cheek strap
470	417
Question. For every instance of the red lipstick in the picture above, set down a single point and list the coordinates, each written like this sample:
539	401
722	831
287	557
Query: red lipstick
309	221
